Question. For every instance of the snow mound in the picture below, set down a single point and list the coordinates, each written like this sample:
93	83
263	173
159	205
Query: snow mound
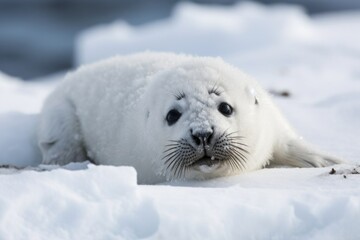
25	97
18	140
97	203
200	30
19	104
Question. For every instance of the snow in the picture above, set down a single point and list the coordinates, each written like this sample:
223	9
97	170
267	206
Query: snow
261	205
317	64
82	204
192	28
20	103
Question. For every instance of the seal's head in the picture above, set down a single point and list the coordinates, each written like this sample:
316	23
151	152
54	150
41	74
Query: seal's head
206	121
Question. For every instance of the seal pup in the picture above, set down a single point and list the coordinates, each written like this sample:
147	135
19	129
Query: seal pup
170	117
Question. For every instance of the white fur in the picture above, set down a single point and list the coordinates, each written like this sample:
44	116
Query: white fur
114	113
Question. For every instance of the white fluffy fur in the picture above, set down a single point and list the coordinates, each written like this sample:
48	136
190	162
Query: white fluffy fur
114	113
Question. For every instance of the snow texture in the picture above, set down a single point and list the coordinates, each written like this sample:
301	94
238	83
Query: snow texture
315	60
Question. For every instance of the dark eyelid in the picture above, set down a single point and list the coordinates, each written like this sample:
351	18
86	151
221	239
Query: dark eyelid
215	90
180	95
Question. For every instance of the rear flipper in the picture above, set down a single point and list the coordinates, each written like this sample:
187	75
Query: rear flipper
297	153
59	135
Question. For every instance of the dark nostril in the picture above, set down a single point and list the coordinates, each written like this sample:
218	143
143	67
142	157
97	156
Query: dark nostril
196	139
203	138
209	137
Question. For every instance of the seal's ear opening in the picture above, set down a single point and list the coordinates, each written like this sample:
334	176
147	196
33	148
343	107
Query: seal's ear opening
251	93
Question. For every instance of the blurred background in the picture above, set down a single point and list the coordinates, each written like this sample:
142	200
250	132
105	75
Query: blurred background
37	37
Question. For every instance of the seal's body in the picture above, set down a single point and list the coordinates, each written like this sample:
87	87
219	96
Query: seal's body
169	116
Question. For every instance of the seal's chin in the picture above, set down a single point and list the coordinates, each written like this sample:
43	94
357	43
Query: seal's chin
206	164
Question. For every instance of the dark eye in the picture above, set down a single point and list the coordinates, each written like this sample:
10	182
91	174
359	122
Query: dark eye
225	109
172	116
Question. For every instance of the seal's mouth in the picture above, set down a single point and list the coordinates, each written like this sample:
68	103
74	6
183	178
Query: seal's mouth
206	161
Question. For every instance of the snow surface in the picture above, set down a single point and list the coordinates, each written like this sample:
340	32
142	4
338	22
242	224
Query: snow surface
317	60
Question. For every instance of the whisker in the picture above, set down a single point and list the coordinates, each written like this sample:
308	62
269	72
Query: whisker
169	155
238	143
240	155
235	161
172	145
231	164
177	167
234	151
229	148
171	159
183	167
242	150
173	166
171	148
236	139
231	133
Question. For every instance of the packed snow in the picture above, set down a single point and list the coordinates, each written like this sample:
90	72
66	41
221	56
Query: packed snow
314	60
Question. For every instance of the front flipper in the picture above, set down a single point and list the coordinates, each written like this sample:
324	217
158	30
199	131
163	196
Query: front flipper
297	153
59	135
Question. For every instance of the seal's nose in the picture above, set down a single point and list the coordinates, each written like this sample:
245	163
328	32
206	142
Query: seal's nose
202	137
